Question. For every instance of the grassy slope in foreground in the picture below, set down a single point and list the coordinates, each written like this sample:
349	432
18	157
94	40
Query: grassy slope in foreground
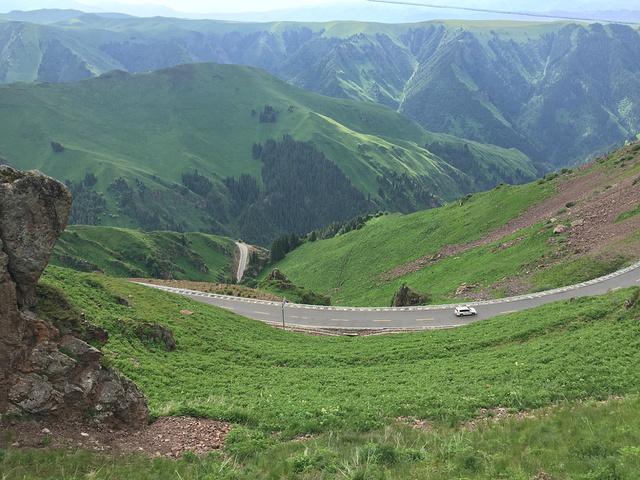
577	440
120	252
231	368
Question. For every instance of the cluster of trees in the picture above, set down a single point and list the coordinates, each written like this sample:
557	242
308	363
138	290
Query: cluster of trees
457	156
141	204
340	228
197	183
404	193
302	191
256	151
243	191
268	115
87	204
151	208
287	243
478	177
211	199
283	245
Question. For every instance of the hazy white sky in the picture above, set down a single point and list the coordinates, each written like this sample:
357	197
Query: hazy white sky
209	6
239	6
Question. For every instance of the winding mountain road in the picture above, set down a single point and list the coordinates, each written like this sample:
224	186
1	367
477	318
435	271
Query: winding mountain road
242	263
404	318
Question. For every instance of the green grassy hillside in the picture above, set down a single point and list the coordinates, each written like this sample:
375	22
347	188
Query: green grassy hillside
119	252
358	394
433	252
126	142
352	267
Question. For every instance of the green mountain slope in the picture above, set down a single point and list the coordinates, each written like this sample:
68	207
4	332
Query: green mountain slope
168	150
556	91
561	230
120	252
357	268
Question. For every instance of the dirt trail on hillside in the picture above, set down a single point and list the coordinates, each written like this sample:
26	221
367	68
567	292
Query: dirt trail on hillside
592	202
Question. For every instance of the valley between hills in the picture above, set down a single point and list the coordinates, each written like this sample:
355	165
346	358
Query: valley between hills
309	144
575	227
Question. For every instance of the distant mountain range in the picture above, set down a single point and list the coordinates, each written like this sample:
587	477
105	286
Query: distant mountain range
555	91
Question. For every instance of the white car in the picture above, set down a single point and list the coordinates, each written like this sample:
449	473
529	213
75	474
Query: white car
462	311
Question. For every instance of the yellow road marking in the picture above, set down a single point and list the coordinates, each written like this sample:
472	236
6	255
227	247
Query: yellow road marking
339	320
382	320
616	288
424	319
227	308
262	313
295	316
509	311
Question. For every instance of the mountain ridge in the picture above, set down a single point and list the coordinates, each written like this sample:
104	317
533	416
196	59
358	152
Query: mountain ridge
364	11
556	91
168	149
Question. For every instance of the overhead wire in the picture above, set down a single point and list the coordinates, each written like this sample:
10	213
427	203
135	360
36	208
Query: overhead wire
503	12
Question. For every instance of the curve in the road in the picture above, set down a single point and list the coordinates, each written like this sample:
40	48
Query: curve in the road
403	318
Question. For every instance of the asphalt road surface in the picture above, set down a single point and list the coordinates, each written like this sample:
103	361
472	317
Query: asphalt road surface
242	264
428	317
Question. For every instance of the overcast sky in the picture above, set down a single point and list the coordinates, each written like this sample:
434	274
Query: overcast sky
211	6
361	10
193	6
208	6
205	6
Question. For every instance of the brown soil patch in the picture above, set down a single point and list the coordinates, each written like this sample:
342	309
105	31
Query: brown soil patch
494	414
167	436
590	201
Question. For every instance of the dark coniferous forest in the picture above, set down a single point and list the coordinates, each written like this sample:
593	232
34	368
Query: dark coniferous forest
303	191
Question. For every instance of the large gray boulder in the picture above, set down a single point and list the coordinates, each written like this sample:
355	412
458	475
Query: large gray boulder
34	210
43	373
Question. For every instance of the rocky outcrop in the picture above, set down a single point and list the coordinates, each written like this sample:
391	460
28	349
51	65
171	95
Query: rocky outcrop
157	334
33	213
408	297
464	288
278	280
45	373
278	276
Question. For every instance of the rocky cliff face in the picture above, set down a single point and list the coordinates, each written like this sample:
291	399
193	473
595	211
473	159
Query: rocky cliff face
42	372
